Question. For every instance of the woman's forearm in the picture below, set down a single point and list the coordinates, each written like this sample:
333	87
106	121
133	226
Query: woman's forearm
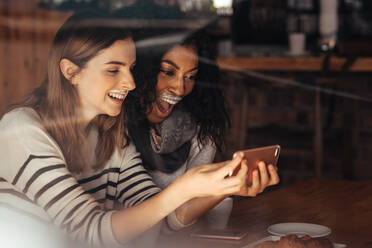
129	223
196	207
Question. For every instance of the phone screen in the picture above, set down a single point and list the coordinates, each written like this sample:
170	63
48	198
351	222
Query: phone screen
219	234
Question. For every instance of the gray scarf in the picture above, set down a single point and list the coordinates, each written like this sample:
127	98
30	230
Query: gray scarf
174	142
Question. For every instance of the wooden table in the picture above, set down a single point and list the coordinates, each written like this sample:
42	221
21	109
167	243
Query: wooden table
343	206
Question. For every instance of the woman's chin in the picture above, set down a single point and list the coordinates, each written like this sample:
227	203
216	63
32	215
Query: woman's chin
113	113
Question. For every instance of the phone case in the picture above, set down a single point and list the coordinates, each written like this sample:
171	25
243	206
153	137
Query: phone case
268	154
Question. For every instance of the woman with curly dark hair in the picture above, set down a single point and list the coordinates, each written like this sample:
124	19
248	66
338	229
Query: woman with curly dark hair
178	92
177	113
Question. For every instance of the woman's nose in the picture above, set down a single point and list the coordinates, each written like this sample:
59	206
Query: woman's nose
178	87
128	82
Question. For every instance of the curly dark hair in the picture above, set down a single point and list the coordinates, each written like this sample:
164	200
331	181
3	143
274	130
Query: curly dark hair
206	103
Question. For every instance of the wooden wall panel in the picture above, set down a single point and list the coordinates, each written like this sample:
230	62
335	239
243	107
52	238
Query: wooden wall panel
26	33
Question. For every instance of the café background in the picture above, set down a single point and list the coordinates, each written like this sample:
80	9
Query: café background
265	109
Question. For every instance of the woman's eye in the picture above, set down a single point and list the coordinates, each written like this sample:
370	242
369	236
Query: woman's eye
167	72
113	71
191	77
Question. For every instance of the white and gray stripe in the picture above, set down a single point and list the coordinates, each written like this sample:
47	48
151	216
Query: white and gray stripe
34	179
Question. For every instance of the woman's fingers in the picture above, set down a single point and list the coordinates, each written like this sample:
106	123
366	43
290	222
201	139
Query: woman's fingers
255	188
243	172
237	183
262	177
230	166
215	166
213	176
274	177
263	174
241	188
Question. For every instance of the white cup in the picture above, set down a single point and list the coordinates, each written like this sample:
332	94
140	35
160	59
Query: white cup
218	217
296	43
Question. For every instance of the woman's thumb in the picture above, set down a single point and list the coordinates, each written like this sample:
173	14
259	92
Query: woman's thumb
228	169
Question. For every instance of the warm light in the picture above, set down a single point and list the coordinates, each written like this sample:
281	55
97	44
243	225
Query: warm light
222	3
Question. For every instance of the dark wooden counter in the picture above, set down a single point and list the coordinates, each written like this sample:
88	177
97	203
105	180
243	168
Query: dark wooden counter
290	63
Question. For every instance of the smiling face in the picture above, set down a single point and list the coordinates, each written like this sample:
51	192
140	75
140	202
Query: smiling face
106	79
175	80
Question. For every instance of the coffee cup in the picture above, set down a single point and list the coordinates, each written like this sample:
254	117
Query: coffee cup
297	43
218	217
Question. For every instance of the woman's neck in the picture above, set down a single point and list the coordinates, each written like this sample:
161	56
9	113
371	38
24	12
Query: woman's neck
86	117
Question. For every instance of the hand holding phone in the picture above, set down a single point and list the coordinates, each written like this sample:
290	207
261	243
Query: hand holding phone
267	154
265	175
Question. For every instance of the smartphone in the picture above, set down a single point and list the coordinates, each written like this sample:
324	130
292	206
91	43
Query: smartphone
219	234
268	154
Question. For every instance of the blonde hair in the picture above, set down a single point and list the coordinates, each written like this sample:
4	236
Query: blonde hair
79	39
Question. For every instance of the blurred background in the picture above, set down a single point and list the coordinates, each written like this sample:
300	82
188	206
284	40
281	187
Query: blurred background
296	72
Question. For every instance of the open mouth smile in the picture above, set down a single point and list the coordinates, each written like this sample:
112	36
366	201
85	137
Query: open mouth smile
118	94
166	102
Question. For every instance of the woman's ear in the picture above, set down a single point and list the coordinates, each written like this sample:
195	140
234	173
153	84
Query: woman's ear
68	69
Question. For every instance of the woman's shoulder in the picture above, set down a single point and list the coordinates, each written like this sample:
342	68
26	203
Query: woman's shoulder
22	124
22	135
22	116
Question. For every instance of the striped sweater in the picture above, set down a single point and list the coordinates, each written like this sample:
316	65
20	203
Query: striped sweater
35	181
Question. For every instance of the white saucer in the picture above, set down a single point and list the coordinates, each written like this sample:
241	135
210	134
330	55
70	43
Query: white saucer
313	230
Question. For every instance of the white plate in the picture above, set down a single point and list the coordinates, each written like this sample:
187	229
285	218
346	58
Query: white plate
269	238
313	230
